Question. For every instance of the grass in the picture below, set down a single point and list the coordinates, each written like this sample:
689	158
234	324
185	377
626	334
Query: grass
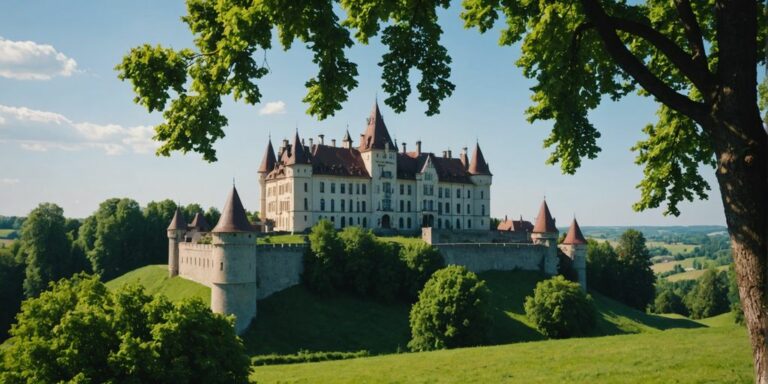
6	232
155	280
281	239
668	266
693	275
674	248
696	355
402	240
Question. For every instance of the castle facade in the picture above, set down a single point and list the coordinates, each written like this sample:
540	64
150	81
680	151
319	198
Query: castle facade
372	184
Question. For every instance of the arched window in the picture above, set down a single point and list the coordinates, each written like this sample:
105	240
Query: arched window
400	223
322	205
343	220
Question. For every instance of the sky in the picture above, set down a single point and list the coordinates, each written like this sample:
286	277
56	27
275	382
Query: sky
71	134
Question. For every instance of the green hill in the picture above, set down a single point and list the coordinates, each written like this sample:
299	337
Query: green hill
155	280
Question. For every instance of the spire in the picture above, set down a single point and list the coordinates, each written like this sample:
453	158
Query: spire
376	135
200	223
233	217
478	166
347	137
574	235
178	221
298	154
269	160
544	222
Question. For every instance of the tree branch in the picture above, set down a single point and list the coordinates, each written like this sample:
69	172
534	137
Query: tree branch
606	27
694	36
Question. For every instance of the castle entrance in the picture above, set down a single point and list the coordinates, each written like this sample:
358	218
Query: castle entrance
385	222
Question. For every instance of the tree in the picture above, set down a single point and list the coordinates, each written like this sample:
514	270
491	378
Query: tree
157	216
636	275
421	261
710	295
560	309
323	259
212	216
359	261
113	237
602	267
81	332
46	248
452	311
667	301
11	289
697	59
190	211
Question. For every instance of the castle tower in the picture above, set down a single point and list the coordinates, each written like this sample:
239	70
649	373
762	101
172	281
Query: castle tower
299	166
481	177
233	283
575	247
267	165
545	233
380	157
176	231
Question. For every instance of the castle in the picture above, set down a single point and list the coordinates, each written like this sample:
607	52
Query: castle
372	184
303	188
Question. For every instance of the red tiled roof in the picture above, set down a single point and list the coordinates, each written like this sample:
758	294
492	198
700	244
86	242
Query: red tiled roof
544	221
178	221
233	217
574	235
268	162
376	135
515	226
478	166
449	170
327	160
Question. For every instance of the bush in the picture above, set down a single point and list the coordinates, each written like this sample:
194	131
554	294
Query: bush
667	301
323	259
421	261
710	295
560	309
306	357
80	332
452	311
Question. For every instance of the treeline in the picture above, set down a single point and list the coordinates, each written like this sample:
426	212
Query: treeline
119	237
356	261
712	294
11	222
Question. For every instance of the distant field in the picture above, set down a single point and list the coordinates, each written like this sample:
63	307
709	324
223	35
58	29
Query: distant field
712	355
668	266
672	248
6	242
6	232
693	275
155	280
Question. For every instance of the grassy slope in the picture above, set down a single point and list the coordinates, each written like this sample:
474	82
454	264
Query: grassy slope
693	275
156	281
282	239
697	355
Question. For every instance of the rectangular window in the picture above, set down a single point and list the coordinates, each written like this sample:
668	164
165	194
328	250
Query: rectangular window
305	187
322	187
447	209
482	194
458	208
364	189
343	205
409	190
402	204
333	205
350	188
447	193
409	206
343	188
333	187
402	189
364	210
458	193
469	193
440	192
358	189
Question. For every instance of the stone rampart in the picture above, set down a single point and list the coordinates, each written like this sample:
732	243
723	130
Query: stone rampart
448	236
480	257
279	266
196	262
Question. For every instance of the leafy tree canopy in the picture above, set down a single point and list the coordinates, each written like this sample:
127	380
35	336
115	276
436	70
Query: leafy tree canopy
560	309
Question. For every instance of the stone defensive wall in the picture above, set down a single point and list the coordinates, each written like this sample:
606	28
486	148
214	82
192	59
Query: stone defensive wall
447	236
480	257
278	266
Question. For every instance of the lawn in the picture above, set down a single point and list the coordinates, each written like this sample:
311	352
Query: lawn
713	355
693	275
402	240
155	280
282	239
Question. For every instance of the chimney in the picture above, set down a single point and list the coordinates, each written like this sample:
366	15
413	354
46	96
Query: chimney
321	137
302	143
418	147
333	142
285	143
464	159
450	155
311	140
403	146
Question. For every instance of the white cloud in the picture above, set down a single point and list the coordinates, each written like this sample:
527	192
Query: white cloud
41	131
7	181
27	60
273	108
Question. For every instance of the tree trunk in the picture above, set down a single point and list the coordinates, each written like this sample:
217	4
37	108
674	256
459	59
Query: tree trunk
741	147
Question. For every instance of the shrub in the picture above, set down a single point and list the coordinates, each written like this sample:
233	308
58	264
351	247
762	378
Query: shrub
306	357
710	295
421	261
667	301
560	309
452	311
322	261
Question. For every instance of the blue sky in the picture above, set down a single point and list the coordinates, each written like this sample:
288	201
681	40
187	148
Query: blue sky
70	133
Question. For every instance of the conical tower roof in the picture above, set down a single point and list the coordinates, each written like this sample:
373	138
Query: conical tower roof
347	137
269	160
200	223
478	166
298	154
178	221
544	222
574	235
233	217
376	135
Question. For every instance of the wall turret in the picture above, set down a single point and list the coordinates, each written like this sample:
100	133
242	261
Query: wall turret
267	165
575	247
233	285
176	231
545	233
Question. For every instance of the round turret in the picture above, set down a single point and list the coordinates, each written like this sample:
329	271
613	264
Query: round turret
176	231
